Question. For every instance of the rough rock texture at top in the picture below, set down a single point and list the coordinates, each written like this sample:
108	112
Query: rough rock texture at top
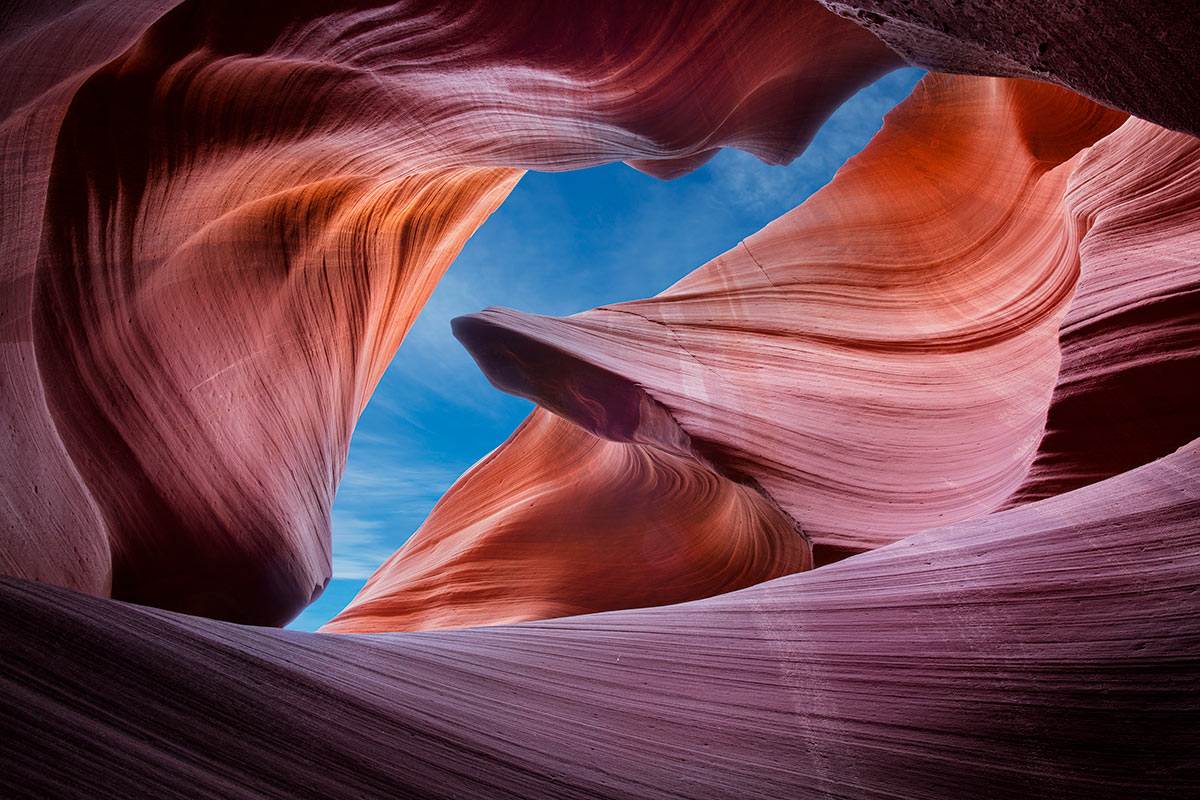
1137	56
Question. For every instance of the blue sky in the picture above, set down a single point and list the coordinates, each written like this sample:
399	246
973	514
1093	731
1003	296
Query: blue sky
560	244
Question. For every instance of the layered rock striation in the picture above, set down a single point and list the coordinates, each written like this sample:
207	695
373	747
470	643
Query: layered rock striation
881	359
222	233
558	522
887	358
1129	383
970	364
1045	651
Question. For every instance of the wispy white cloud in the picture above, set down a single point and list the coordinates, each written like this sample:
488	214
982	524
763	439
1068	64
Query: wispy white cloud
378	482
360	546
382	500
748	183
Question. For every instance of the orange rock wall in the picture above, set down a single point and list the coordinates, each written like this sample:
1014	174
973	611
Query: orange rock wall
558	522
224	232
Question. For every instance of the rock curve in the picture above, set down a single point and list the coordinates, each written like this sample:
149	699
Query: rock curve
223	232
1045	651
881	359
557	522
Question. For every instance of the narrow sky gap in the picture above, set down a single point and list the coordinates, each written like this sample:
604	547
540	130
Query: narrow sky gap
561	243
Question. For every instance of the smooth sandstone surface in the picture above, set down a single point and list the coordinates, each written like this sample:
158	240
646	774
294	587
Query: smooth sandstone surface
1129	384
52	528
558	522
1046	651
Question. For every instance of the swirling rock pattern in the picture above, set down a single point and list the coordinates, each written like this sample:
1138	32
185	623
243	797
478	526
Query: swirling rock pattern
1046	651
221	218
224	232
936	329
558	522
881	359
1129	385
51	529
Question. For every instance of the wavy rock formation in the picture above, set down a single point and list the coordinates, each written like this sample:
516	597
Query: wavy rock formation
52	529
1046	651
1129	385
881	359
220	220
223	233
558	522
